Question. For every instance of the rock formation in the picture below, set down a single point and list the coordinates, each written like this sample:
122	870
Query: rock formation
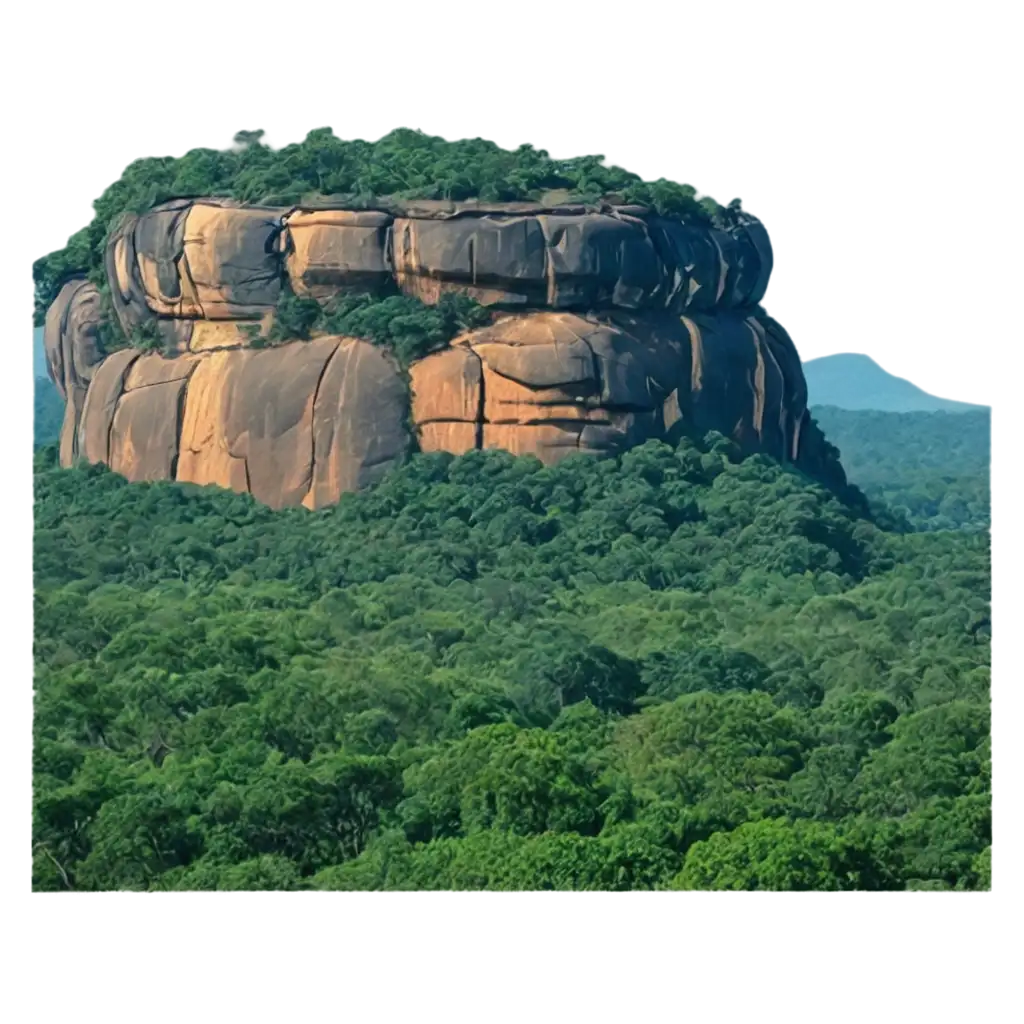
610	325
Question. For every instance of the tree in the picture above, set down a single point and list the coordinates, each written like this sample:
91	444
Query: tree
774	854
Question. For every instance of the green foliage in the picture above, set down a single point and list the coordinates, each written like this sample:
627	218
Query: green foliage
295	317
676	668
776	854
929	469
408	327
48	412
405	164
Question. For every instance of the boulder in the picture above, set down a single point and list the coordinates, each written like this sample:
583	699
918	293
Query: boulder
195	259
549	442
210	335
204	456
539	350
494	259
448	436
230	263
592	385
304	422
269	420
145	431
618	325
597	260
753	264
105	390
73	349
359	421
329	252
446	386
213	259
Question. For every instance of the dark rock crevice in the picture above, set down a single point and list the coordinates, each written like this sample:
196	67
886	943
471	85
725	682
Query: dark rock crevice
312	417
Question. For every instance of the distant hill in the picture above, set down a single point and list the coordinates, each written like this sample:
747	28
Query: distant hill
862	382
38	353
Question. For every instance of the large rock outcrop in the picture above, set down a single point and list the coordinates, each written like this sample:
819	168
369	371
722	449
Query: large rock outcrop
71	341
610	325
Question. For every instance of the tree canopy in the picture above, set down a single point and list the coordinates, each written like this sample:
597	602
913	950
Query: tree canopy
672	669
929	469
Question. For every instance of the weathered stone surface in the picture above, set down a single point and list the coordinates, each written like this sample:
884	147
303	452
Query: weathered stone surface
769	421
208	335
692	262
553	383
359	422
493	259
53	341
212	259
230	262
331	251
794	386
446	386
305	422
447	436
549	442
738	385
71	335
105	390
508	401
204	456
597	260
541	350
756	262
626	380
152	368
146	427
145	431
195	259
623	430
71	342
158	240
658	345
269	421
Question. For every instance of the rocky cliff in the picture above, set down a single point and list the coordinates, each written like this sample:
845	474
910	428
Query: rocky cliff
609	325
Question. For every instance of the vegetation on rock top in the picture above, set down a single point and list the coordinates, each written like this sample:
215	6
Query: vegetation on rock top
404	324
404	164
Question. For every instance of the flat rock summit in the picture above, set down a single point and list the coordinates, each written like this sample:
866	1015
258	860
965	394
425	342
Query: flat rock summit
609	325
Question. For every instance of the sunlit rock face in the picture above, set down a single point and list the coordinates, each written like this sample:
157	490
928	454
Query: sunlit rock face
610	326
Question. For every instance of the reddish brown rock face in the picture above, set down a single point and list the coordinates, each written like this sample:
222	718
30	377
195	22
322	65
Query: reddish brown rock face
299	424
612	326
548	384
73	352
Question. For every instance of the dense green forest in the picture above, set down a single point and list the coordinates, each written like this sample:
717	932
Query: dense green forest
930	468
674	669
48	412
